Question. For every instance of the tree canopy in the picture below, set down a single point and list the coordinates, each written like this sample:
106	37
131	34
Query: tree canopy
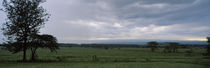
152	45
42	41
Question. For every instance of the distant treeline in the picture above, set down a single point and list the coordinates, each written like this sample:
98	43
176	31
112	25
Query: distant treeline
1	44
124	45
99	45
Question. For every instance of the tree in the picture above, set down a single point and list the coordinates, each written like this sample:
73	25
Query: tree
208	46
42	41
152	45
174	46
24	18
171	47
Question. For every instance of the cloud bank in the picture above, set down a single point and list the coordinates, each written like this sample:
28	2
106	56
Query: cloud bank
127	19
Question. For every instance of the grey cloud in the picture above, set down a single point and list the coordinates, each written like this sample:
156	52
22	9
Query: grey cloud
127	19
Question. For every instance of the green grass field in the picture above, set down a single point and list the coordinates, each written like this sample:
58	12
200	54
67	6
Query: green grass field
77	57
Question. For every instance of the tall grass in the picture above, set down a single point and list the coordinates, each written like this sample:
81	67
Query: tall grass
77	57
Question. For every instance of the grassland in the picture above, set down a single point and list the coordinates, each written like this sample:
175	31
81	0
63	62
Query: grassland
77	57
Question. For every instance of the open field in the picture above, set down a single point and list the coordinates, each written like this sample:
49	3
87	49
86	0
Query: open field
77	57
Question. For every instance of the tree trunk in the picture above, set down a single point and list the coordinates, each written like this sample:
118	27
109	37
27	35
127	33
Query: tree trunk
24	54
153	49
173	50
24	51
33	54
25	47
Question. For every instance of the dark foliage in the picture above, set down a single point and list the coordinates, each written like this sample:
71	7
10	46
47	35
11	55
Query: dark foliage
152	45
208	46
42	41
171	47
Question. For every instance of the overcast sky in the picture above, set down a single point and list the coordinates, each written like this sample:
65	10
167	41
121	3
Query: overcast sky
77	20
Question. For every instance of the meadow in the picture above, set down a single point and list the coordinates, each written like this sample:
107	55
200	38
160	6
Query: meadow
80	57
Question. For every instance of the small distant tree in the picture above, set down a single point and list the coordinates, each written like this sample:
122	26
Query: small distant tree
167	49
174	46
208	46
42	41
171	47
152	45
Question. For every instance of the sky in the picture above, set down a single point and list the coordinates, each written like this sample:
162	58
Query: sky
76	21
